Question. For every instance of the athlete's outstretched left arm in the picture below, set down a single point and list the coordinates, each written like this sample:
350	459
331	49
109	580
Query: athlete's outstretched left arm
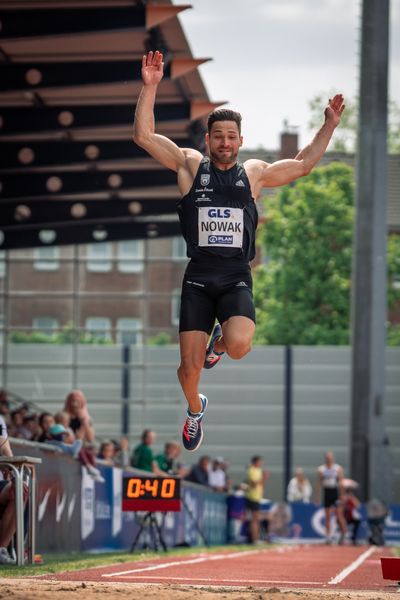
285	171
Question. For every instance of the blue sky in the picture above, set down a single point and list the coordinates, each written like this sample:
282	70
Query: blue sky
270	57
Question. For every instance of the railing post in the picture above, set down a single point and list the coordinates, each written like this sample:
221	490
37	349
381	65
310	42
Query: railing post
126	359
287	423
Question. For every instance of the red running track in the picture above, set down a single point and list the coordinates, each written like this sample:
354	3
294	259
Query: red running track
313	567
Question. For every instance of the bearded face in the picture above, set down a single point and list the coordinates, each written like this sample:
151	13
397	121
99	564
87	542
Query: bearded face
224	141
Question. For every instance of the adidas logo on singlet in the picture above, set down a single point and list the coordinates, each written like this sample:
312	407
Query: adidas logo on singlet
241	284
239	183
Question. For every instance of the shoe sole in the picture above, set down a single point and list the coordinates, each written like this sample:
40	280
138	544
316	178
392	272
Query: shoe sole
202	432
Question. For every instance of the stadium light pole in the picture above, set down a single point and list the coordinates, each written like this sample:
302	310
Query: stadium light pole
370	457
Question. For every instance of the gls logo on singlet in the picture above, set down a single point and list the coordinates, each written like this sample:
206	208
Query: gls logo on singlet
221	227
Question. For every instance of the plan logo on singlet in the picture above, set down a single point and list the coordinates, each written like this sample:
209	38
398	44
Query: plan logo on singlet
220	226
204	179
220	240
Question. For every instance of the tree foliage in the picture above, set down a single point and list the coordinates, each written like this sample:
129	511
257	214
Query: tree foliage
393	270
346	134
302	293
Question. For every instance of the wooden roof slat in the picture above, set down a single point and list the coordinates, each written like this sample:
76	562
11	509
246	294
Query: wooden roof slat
64	152
45	118
39	22
31	184
45	211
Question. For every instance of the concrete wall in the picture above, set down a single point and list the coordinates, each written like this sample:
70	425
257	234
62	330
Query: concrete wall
246	400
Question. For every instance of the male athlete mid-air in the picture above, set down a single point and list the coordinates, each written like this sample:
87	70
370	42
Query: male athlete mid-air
218	219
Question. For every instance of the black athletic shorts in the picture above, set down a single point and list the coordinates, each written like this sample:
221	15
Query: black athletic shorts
252	505
330	497
215	291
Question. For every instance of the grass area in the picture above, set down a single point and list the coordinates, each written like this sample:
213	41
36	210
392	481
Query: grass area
55	563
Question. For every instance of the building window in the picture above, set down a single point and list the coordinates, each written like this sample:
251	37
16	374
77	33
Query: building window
99	257
178	248
129	332
175	306
46	258
47	325
99	327
130	256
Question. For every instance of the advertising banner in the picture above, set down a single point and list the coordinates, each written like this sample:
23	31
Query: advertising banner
75	512
104	525
306	521
58	499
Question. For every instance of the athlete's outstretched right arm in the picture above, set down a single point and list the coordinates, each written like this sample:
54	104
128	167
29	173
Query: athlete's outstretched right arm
164	150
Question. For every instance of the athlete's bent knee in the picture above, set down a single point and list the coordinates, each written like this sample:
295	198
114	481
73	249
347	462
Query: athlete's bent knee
238	349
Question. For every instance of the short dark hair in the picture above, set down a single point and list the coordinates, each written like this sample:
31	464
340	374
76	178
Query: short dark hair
224	114
42	417
255	458
145	433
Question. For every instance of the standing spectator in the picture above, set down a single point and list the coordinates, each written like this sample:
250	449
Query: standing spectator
46	420
8	520
329	478
299	488
199	472
256	478
81	424
80	421
217	475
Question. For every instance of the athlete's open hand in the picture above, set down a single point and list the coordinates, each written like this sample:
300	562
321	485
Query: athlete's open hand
152	68
333	111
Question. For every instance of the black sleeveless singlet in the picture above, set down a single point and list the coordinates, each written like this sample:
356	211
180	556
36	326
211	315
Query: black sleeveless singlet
218	216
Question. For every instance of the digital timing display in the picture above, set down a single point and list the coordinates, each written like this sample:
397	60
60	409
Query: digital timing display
151	493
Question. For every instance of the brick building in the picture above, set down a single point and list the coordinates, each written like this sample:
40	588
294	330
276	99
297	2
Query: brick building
126	291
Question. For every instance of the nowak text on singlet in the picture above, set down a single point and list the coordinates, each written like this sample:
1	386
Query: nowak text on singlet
221	226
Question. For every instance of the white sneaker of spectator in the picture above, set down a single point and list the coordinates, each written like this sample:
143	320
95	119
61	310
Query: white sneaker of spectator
5	558
95	473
